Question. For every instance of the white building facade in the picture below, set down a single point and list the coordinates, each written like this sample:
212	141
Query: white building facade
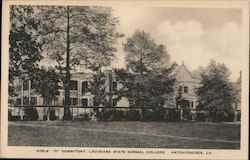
81	100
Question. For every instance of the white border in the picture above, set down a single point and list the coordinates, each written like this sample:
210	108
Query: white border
30	152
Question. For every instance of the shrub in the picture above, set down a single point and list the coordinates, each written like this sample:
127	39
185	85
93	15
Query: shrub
173	115
157	114
133	115
31	113
10	116
52	115
225	116
238	116
148	115
118	115
84	117
201	116
160	115
104	114
221	115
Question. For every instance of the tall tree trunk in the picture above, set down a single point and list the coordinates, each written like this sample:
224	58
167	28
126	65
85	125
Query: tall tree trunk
67	115
140	102
44	109
110	89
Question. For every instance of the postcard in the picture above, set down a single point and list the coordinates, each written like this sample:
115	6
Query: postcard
115	79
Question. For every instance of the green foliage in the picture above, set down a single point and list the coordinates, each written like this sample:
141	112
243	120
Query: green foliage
216	93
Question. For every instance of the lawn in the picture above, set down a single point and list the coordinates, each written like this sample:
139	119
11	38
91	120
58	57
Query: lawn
191	135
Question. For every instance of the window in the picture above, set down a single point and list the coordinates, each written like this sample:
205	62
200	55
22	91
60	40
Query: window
180	89
73	85
25	85
85	102
185	89
25	101
73	101
33	101
114	86
84	87
18	101
192	104
114	102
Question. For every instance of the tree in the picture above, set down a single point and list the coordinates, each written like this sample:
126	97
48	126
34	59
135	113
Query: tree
78	36
158	85
237	89
146	81
154	88
143	54
216	93
197	72
143	57
24	47
98	87
47	84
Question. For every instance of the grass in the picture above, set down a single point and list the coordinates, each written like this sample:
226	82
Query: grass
191	135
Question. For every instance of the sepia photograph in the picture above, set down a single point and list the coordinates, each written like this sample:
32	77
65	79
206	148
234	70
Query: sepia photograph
125	80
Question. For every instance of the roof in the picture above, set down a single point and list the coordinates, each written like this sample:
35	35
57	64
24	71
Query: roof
181	73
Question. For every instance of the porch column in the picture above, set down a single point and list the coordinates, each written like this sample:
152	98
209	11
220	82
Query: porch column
79	90
29	91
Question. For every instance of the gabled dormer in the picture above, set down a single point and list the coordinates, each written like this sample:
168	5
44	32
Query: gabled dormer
183	75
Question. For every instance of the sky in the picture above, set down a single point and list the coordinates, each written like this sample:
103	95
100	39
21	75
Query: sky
192	35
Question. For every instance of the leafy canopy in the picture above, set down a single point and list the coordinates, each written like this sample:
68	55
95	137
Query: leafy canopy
46	83
143	54
146	82
216	92
92	35
25	48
